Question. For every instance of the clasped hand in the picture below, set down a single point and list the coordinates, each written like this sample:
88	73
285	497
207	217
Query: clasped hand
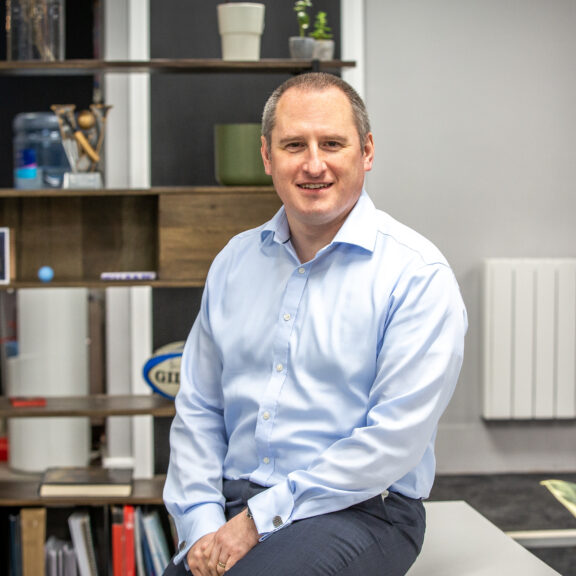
217	552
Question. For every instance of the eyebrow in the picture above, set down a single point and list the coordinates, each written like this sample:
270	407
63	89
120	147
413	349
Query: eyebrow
327	137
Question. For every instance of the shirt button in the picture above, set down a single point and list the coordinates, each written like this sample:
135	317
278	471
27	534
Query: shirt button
287	317
277	521
279	367
266	415
266	460
301	270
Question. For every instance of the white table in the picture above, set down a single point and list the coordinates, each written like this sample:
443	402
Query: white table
460	541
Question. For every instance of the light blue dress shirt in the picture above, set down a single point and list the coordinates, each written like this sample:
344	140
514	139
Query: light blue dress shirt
323	380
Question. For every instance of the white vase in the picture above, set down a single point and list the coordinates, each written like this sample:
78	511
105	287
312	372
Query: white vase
241	25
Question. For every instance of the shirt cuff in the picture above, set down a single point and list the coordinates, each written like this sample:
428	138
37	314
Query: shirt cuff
198	522
272	509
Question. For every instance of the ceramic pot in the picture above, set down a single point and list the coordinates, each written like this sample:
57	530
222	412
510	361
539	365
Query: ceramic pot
301	47
241	25
323	50
237	155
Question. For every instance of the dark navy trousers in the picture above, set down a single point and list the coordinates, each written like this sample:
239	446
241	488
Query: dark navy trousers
379	537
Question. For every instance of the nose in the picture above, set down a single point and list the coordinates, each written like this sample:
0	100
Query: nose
314	164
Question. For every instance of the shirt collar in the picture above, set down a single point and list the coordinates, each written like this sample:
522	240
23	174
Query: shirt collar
359	229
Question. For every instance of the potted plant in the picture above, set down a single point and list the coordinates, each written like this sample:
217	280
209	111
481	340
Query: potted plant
322	34
302	46
241	25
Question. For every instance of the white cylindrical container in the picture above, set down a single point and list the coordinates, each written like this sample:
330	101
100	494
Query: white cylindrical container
241	25
52	361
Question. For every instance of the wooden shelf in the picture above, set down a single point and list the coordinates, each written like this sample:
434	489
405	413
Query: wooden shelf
93	406
167	66
24	492
175	231
110	192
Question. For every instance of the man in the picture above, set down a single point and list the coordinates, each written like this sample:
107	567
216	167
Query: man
327	347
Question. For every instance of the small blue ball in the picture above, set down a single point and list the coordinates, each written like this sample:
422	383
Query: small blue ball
45	273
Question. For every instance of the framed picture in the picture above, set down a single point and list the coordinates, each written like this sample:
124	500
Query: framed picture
5	264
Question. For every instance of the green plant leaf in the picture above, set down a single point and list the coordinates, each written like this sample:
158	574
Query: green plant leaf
564	492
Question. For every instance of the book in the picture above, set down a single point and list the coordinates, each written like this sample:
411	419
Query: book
141	566
140	275
70	564
129	552
33	536
7	256
117	535
146	551
86	481
83	541
156	540
15	545
54	556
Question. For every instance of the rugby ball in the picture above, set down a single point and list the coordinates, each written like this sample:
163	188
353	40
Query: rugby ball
162	371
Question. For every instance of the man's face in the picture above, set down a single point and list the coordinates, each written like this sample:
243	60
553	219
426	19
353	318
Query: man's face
316	159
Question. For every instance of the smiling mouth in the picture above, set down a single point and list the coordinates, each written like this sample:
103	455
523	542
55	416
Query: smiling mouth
314	186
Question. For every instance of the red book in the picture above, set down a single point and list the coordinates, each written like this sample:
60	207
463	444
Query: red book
118	540
129	551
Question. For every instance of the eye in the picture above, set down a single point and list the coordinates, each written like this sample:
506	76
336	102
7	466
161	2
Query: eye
332	145
293	146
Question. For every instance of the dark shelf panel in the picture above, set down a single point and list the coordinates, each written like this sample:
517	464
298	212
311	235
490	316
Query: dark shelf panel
93	406
166	66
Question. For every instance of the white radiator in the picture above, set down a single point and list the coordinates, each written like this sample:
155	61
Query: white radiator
530	339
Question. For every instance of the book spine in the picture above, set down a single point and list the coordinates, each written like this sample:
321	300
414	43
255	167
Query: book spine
69	562
33	536
15	546
144	275
81	533
138	543
129	554
146	551
89	539
118	541
156	541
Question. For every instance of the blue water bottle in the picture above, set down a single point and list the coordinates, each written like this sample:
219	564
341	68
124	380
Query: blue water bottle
39	157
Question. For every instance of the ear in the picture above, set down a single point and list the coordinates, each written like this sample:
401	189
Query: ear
368	152
265	156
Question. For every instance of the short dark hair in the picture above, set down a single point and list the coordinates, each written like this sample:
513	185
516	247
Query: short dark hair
316	81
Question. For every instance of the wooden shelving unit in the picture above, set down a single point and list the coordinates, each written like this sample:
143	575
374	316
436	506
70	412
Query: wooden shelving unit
175	231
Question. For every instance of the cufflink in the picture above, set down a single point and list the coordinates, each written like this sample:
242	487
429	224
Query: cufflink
181	546
277	521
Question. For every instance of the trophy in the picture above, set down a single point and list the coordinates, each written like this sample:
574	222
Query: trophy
82	135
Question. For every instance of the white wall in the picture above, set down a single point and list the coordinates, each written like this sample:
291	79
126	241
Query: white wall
473	104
